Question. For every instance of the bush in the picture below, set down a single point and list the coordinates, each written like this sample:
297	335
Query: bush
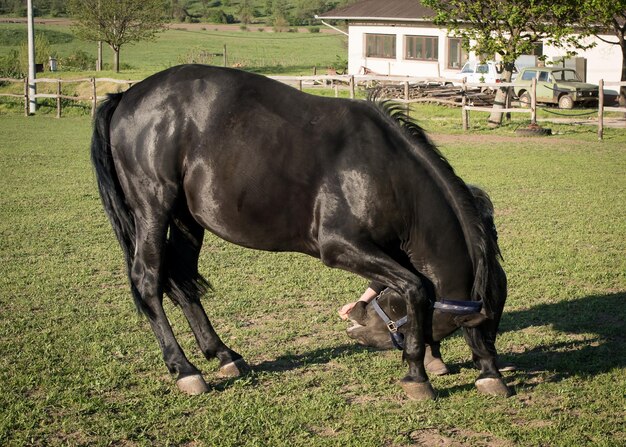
43	52
314	29
219	16
78	61
123	66
10	66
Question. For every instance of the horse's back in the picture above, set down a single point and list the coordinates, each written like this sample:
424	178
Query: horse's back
253	155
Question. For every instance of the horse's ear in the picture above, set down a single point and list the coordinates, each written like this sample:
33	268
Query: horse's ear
471	320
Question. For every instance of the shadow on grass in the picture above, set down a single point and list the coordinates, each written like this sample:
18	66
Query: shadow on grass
592	341
317	357
289	362
595	328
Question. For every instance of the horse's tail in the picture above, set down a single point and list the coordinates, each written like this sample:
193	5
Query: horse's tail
111	193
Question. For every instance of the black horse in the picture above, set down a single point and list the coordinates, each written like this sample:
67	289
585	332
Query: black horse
369	327
265	166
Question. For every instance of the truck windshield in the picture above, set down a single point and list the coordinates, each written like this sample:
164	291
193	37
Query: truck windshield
565	75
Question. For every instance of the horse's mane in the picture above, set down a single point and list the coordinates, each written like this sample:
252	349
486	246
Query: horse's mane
481	247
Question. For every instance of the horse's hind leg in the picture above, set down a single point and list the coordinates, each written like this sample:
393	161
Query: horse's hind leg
147	282
482	342
186	286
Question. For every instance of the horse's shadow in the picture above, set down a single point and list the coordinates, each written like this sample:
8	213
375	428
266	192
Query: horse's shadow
593	341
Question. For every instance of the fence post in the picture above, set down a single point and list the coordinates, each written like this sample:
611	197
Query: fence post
533	102
26	99
406	96
225	57
58	98
600	109
352	87
95	96
336	89
300	84
464	112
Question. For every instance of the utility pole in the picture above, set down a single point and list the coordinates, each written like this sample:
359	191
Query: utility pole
32	87
99	61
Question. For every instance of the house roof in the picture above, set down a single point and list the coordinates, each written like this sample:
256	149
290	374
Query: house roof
386	10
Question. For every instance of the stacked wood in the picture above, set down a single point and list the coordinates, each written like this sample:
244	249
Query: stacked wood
436	93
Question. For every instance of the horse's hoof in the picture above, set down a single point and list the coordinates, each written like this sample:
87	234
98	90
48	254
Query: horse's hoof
233	369
192	385
493	386
417	390
436	367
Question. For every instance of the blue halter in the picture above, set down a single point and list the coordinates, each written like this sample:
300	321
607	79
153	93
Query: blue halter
447	306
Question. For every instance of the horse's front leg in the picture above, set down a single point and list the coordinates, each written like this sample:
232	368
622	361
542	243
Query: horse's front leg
416	383
367	260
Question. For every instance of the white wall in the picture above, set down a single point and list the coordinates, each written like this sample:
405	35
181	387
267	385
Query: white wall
604	61
397	66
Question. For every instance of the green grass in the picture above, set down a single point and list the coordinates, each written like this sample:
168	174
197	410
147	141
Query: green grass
269	53
78	366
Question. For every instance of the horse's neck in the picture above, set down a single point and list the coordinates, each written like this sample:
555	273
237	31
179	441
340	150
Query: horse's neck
439	249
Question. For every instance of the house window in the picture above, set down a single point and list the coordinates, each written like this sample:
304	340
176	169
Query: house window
456	54
380	45
424	48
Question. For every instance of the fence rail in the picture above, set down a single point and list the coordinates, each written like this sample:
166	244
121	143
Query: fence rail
333	81
93	98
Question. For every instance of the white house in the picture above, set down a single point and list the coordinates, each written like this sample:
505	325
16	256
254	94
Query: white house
398	37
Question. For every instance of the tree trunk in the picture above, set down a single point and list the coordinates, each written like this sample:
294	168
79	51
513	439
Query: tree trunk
622	90
116	60
501	99
99	61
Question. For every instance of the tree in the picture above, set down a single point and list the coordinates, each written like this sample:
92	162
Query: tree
246	12
117	22
603	17
509	28
279	14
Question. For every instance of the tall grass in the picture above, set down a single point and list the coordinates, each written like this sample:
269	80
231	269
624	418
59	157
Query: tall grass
78	366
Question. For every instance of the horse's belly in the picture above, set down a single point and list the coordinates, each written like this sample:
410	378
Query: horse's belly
276	220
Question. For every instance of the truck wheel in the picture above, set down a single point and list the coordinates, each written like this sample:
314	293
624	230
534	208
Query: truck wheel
566	102
524	100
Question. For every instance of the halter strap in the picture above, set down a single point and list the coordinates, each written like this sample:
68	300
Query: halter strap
447	306
459	307
391	325
396	338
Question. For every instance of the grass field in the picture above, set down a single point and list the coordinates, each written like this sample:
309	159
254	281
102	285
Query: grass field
78	366
268	53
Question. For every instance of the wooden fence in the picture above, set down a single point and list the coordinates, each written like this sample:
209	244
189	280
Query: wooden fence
93	98
532	109
336	82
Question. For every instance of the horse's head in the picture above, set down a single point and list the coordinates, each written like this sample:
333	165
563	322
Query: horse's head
369	329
